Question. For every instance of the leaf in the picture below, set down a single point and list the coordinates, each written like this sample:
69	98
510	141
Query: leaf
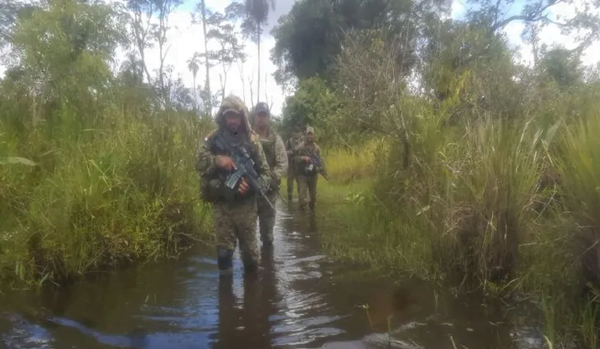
16	160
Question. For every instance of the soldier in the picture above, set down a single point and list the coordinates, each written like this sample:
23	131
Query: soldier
278	162
307	168
234	211
292	144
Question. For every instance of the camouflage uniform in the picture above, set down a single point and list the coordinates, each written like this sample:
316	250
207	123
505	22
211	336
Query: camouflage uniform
277	159
307	182
292	144
235	220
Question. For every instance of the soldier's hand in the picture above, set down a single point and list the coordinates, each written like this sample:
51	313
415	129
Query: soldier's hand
243	188
225	162
306	158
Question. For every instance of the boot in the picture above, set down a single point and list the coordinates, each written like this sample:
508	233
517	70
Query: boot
267	242
250	267
265	237
224	260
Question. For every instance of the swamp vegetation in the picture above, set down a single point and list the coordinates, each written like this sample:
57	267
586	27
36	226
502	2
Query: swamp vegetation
455	159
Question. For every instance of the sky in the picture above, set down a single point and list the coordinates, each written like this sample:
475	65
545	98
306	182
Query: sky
186	39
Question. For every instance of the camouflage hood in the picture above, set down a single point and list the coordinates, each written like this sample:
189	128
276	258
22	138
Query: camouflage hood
234	103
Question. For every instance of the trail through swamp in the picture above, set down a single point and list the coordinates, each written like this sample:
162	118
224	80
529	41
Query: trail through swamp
299	298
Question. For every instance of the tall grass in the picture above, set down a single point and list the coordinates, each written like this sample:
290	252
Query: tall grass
100	194
579	169
512	205
347	164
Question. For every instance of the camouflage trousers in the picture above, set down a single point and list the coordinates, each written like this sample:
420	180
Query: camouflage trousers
237	222
266	216
291	176
307	187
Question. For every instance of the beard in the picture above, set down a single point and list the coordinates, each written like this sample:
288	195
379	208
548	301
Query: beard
234	129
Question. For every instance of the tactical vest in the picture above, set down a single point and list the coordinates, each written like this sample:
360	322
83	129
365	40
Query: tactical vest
212	188
268	145
309	169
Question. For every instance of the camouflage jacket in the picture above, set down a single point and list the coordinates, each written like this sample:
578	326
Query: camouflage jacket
305	149
291	146
211	176
276	156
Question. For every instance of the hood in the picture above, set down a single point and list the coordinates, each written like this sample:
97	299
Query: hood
234	103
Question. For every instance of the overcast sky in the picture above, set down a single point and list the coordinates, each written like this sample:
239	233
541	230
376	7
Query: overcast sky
186	39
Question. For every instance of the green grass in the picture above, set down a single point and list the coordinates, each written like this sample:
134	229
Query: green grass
347	165
512	206
98	197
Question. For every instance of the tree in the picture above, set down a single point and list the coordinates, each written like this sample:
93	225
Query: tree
562	66
223	30
194	66
165	8
64	53
201	7
146	33
309	38
10	11
132	70
534	13
135	96
141	12
257	14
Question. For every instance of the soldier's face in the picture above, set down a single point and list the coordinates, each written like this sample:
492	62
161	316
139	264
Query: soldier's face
309	137
261	120
233	121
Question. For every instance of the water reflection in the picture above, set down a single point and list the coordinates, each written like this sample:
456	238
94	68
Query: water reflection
299	298
248	324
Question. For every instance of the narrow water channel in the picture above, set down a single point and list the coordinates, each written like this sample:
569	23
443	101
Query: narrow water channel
298	299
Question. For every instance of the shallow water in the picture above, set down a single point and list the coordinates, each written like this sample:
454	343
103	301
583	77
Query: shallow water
298	299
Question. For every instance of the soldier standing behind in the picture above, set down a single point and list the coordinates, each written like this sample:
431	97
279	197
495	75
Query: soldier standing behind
234	211
291	145
308	169
277	159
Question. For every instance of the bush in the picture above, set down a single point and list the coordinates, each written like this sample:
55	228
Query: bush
123	190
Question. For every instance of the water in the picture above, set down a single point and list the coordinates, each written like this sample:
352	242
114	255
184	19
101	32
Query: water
298	299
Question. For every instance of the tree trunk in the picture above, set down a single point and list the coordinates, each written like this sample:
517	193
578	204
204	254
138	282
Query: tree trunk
258	46
241	71
206	57
194	90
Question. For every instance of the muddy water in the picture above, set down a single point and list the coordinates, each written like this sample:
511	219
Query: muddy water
298	299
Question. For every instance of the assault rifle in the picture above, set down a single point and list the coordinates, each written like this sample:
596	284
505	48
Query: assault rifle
317	161
244	168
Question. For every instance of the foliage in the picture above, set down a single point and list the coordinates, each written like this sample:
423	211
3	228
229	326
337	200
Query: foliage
93	172
312	105
309	38
481	178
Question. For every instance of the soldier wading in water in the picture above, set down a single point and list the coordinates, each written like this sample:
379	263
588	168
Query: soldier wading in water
234	208
308	166
277	159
